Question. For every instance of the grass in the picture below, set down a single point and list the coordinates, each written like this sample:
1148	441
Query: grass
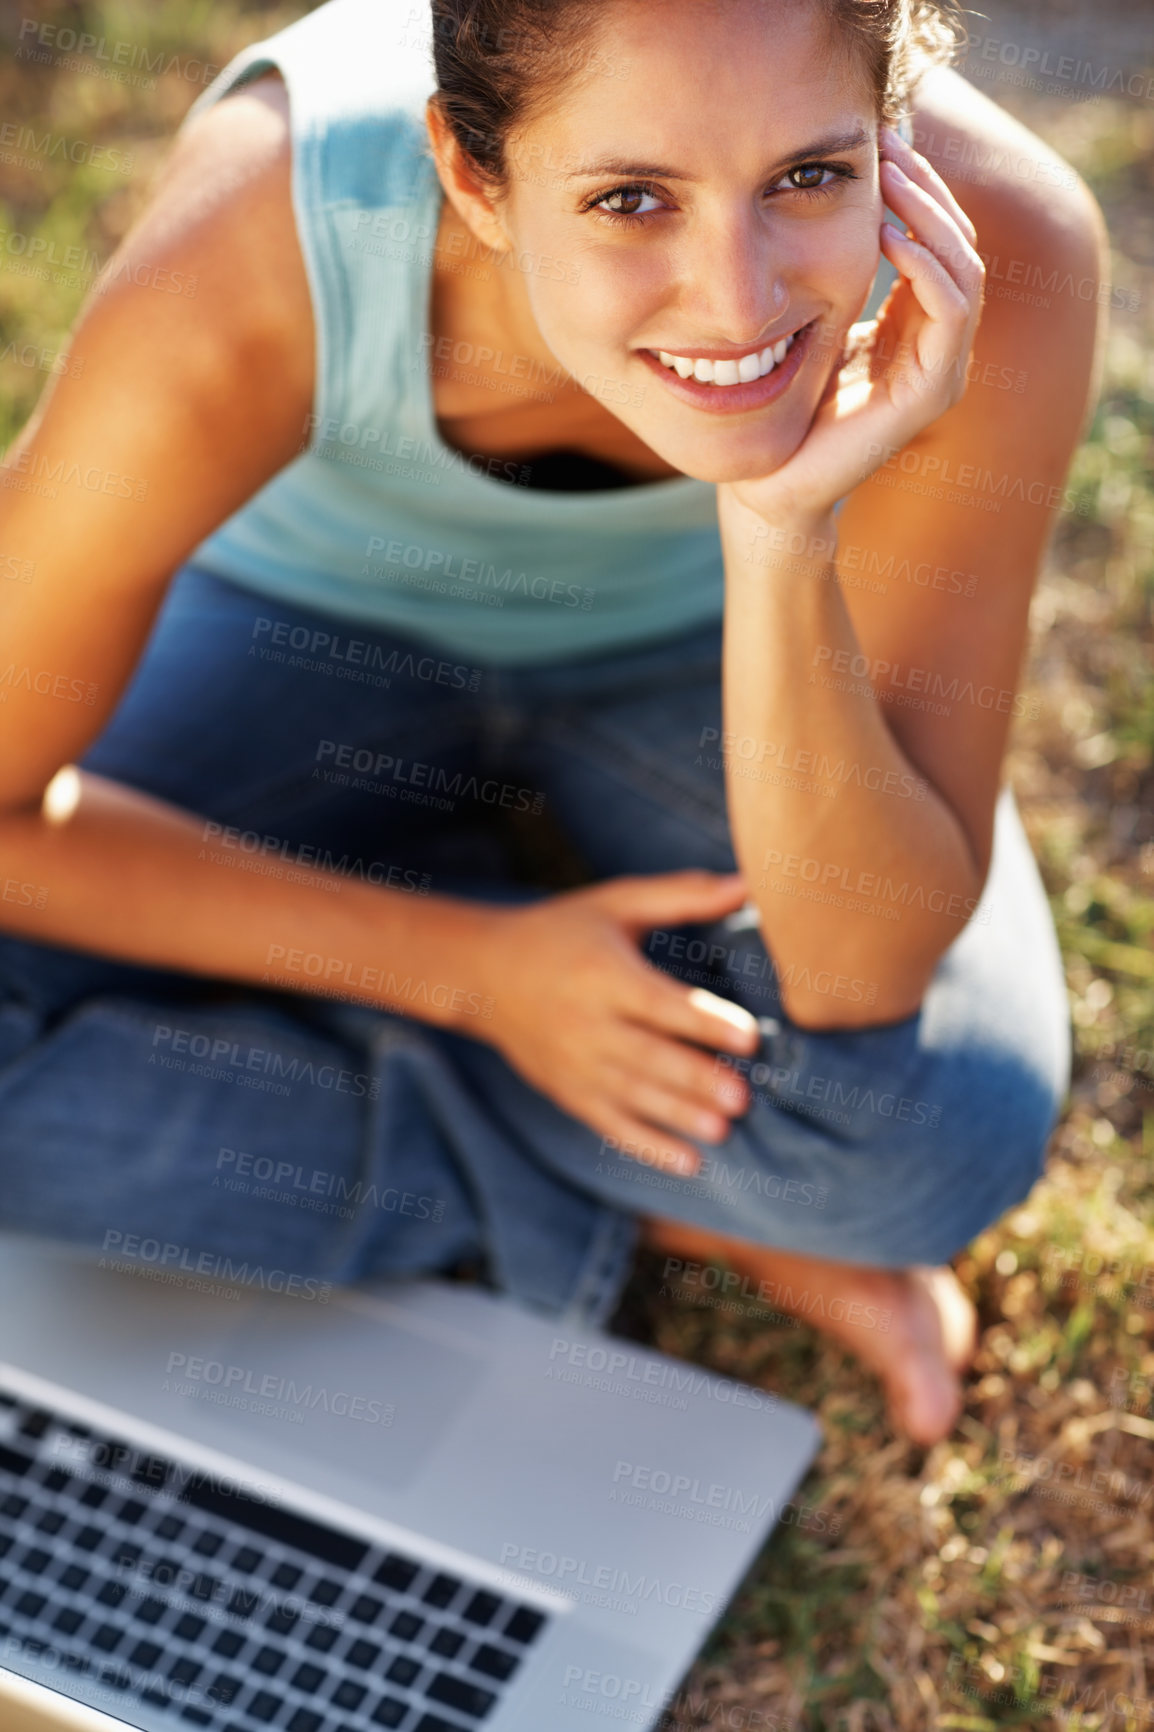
1003	1578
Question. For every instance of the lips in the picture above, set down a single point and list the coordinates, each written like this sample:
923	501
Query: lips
694	377
739	370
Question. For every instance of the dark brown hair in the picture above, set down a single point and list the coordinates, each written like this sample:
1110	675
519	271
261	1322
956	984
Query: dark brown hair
499	61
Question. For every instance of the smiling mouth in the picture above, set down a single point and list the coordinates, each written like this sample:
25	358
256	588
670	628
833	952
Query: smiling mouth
736	370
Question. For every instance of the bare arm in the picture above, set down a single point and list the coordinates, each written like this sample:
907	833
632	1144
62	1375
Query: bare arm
907	666
196	402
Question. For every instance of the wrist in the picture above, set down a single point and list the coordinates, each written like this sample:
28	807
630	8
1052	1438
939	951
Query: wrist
480	938
442	955
760	539
742	515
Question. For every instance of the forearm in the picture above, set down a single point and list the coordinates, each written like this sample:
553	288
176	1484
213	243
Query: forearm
126	876
860	870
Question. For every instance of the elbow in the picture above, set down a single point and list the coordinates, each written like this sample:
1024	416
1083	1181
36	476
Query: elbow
866	1004
872	988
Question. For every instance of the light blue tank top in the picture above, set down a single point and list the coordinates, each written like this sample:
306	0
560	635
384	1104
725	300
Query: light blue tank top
377	520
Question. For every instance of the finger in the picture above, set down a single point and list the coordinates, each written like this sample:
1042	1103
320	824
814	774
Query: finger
895	149
709	1085
659	1002
638	1141
946	307
673	898
934	228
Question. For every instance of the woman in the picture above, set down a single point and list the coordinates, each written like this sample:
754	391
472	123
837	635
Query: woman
547	473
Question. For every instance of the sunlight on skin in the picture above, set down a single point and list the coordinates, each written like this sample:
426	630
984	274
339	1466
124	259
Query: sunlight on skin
731	254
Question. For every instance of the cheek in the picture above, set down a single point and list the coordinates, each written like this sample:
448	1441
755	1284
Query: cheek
587	306
842	266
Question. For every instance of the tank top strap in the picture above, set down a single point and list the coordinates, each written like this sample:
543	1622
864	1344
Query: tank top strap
366	199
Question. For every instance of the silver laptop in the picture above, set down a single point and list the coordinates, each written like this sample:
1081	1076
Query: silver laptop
414	1506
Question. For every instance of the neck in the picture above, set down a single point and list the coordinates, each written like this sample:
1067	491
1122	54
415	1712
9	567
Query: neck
480	303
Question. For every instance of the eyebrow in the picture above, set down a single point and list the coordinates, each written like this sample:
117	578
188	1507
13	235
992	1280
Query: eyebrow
622	166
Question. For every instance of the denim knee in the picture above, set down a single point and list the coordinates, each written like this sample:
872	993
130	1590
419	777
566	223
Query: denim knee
891	1145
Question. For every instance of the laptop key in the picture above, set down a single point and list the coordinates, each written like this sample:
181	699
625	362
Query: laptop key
228	1644
189	1628
35	1423
243	1603
305	1720
224	1688
349	1695
35	1561
286	1576
184	1671
308	1679
326	1592
390	1711
396	1572
263	1706
268	1661
448	1643
365	1609
482	1608
406	1627
246	1560
494	1662
434	1723
458	1693
441	1591
68	1621
524	1625
363	1655
145	1655
282	1622
402	1671
322	1637
31	1605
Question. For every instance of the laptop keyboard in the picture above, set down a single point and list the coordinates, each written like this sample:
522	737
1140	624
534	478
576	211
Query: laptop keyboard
162	1584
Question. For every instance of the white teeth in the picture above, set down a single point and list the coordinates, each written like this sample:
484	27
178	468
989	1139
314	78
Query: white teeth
743	372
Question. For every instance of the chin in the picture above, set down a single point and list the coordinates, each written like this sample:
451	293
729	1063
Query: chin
720	461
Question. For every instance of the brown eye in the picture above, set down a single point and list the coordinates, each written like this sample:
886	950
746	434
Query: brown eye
808	177
627	201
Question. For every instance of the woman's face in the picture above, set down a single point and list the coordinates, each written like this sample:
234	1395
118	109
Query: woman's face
704	187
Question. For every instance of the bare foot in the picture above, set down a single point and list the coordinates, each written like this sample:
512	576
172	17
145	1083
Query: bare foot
915	1328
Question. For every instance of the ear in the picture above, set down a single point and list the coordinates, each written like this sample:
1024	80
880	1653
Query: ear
475	202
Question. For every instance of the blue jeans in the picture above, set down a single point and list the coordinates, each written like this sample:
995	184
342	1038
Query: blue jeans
200	1125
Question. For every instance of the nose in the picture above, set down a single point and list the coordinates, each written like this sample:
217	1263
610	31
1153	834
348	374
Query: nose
734	285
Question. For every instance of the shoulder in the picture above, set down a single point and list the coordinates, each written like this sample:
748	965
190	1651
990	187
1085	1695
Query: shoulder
1014	186
226	192
219	219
